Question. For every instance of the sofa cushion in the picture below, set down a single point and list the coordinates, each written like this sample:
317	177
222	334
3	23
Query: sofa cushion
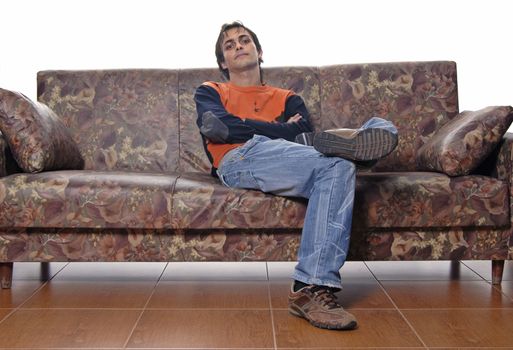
464	142
36	136
198	201
383	200
429	200
121	119
202	202
86	199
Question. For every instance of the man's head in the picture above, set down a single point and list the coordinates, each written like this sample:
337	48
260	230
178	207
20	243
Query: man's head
237	47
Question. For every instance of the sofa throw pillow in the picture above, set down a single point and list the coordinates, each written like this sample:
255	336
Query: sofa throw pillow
36	136
462	144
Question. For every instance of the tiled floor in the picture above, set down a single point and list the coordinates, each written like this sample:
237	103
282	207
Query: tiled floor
399	305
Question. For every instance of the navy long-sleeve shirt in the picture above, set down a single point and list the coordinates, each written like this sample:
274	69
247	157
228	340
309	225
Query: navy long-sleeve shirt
230	115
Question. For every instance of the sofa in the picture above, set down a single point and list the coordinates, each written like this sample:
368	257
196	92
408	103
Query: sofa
144	191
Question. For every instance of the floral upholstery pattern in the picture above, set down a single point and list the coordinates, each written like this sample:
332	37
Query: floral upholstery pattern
418	97
90	199
36	136
33	244
86	199
201	202
3	159
121	119
463	144
416	200
504	171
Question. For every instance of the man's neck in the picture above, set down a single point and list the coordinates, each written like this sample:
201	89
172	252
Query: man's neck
246	78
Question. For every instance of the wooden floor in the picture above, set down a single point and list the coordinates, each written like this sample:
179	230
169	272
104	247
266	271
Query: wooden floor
399	305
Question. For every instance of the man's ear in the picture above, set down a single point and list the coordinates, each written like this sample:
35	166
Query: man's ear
223	65
260	53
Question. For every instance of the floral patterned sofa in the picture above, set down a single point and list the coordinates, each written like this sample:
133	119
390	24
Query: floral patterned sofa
145	193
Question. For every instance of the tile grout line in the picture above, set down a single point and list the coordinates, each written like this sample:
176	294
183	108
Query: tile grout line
270	305
31	295
398	310
497	288
144	307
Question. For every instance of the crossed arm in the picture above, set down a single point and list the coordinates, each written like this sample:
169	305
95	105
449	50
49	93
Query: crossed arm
219	126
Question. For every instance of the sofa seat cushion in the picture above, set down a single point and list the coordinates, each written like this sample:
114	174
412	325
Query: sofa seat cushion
89	199
202	202
94	199
429	200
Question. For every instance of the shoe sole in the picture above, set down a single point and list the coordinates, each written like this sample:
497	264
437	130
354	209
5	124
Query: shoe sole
298	313
368	144
305	138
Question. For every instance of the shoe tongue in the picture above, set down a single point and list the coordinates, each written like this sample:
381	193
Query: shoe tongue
317	288
331	289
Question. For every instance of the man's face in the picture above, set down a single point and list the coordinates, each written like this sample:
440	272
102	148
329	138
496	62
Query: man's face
239	50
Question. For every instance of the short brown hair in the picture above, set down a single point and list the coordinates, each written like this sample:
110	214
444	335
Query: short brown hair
219	46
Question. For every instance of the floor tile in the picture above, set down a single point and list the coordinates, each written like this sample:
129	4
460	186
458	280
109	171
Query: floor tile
36	271
203	329
376	328
211	294
421	271
67	328
484	269
354	294
363	348
3	313
464	328
352	270
101	294
114	271
19	292
215	271
445	294
470	348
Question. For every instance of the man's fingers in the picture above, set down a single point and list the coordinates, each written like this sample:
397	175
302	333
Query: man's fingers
295	118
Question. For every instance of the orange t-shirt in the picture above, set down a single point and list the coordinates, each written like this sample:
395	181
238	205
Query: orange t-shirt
264	103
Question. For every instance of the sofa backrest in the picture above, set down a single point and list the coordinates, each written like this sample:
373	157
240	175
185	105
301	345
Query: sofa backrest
145	120
418	97
120	119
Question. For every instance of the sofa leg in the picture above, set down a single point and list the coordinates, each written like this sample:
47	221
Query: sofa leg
6	274
497	269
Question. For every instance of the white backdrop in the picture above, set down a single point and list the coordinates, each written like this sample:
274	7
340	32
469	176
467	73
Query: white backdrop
100	34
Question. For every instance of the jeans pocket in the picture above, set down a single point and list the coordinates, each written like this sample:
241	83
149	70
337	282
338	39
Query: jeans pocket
240	179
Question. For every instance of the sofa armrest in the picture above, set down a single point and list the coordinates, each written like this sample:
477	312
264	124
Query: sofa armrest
3	161
502	160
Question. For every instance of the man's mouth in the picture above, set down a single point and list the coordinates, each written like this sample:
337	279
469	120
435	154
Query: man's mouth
240	55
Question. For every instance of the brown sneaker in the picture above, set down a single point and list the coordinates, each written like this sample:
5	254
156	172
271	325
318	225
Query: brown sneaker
319	306
356	144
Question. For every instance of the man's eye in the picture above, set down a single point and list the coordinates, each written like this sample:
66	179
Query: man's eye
246	40
228	46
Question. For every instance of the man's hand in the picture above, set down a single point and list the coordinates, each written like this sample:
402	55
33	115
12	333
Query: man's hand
294	119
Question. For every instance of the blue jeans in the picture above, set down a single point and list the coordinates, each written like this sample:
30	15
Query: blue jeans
289	169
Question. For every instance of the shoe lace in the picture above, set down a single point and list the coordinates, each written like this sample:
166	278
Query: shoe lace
326	296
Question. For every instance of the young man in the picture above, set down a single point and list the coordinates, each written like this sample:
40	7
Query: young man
248	129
